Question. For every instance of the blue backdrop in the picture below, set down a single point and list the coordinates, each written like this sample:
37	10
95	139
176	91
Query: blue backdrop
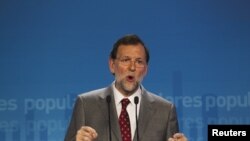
53	50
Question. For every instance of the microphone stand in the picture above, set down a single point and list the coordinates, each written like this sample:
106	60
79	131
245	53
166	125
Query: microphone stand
136	101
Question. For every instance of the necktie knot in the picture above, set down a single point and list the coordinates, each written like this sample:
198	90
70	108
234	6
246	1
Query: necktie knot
125	102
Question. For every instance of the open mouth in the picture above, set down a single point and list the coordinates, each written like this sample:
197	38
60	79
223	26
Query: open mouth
130	78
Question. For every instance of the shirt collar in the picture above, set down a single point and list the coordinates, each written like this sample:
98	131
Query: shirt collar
118	96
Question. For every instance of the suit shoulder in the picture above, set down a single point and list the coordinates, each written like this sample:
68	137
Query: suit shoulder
94	93
160	100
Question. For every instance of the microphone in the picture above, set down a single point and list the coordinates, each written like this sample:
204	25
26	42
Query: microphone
108	99
136	101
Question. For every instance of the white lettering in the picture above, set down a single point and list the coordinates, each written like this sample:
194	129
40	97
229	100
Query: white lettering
216	132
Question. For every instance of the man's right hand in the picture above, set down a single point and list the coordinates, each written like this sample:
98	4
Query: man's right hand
86	133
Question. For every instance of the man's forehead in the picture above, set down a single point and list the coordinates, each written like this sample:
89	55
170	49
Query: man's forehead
131	51
138	48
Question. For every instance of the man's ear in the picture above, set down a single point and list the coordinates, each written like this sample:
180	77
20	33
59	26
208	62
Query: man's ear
146	70
111	65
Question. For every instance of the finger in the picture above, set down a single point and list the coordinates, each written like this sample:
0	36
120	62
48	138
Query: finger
170	139
90	131
178	135
83	135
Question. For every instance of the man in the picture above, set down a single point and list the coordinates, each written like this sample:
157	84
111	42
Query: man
100	115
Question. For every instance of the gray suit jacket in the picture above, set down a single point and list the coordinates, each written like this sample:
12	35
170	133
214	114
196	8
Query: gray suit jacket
157	117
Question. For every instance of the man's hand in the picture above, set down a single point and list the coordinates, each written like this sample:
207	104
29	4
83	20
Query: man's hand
86	133
178	137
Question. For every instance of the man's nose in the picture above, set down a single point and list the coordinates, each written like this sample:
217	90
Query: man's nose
132	66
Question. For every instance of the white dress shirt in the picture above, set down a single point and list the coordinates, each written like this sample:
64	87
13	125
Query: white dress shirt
130	108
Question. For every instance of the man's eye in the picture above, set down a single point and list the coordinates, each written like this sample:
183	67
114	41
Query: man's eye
125	60
139	61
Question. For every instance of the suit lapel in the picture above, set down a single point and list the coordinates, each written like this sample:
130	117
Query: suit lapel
115	129
114	120
146	113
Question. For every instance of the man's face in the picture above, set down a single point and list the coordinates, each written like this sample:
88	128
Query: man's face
129	68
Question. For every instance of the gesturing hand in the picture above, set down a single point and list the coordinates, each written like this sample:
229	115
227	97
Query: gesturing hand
178	137
86	133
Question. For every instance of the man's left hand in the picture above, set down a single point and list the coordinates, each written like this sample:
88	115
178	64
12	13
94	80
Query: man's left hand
178	137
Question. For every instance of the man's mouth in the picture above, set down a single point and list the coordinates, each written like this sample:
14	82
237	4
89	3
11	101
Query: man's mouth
130	78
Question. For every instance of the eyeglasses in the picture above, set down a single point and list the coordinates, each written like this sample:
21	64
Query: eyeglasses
126	61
